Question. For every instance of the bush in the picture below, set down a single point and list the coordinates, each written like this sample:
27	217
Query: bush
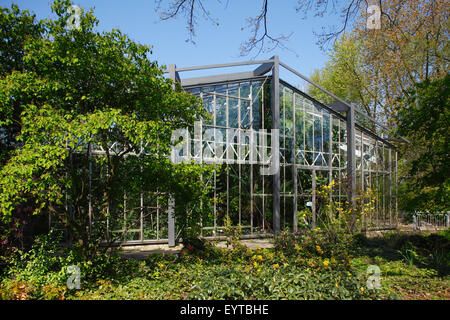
317	245
43	269
283	282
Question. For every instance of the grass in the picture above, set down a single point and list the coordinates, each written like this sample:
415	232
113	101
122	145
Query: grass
413	266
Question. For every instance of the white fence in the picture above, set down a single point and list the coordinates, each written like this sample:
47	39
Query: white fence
431	220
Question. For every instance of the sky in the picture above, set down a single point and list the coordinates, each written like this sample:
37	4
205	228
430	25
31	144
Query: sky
214	44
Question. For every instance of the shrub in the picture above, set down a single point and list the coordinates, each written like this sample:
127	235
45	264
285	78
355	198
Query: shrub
316	245
43	269
283	282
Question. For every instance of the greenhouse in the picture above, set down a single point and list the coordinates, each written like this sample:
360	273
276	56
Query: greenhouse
317	145
275	150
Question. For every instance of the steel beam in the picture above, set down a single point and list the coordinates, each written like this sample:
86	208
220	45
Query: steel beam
223	65
351	158
263	69
216	78
313	198
276	144
171	209
171	224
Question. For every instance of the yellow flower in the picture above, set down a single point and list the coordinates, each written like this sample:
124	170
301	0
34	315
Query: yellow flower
258	257
319	250
326	262
276	265
255	264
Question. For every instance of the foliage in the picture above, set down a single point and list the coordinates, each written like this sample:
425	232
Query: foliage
41	272
413	266
408	254
80	90
310	269
279	282
424	118
334	216
345	76
17	27
212	274
317	249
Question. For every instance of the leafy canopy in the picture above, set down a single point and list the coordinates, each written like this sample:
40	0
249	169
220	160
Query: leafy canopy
69	91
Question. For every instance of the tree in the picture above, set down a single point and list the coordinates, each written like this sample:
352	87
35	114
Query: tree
344	75
424	117
376	68
81	91
410	47
15	27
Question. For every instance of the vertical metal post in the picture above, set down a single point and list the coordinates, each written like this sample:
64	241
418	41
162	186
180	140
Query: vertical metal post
294	167
416	221
294	175
251	161
251	199
124	232
171	213
330	165
141	219
71	197
313	202
171	210
276	144
90	190
363	188
157	218
351	160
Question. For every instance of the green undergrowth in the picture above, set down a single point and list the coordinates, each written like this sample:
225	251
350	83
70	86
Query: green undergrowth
302	266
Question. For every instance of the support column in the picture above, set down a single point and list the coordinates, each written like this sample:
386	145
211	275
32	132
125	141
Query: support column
276	144
171	208
171	213
90	191
313	198
294	175
351	160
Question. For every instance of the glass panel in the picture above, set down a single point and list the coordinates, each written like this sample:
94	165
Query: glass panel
245	114
233	113
288	112
221	109
256	105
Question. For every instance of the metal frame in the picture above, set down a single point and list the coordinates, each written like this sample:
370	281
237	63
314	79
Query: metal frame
328	148
353	165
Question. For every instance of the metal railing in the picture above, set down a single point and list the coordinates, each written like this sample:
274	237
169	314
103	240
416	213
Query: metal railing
423	220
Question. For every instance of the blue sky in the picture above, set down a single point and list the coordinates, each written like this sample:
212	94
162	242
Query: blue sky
214	44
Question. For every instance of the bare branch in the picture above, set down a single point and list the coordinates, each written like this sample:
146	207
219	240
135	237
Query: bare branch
322	7
257	41
189	8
